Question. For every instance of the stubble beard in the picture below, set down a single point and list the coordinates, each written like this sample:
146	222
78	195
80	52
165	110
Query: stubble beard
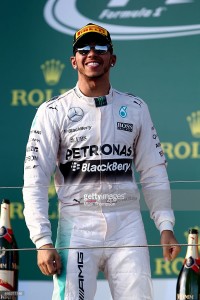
97	76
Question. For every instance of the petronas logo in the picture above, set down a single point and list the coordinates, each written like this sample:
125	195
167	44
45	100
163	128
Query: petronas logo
52	71
194	123
123	112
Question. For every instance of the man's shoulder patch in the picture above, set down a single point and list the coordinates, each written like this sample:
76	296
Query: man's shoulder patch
137	100
52	99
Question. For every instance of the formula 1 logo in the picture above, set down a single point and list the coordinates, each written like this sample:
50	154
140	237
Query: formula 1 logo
127	19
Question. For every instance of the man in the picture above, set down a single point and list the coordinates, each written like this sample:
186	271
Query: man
92	134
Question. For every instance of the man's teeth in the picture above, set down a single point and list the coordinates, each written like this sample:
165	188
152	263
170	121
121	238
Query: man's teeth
93	64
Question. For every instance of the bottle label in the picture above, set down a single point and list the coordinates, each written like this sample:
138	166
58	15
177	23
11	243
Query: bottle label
6	234
193	264
185	297
7	280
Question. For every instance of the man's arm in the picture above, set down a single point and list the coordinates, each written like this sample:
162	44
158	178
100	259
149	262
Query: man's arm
156	190
40	162
49	260
151	164
169	252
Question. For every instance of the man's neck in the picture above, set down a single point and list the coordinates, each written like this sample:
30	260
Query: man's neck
94	87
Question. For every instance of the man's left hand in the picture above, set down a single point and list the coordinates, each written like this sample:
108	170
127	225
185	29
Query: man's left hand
169	252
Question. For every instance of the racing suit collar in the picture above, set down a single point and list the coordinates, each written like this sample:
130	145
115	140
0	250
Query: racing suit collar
90	100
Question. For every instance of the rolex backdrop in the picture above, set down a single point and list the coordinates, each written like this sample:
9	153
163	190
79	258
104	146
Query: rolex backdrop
157	43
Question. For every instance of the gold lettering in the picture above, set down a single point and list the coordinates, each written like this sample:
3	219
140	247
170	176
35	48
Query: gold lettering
186	150
195	150
53	215
184	297
162	267
168	149
175	263
62	91
48	94
14	266
36	97
16	210
18	97
182	150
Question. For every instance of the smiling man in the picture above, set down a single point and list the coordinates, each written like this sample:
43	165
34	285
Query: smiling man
91	142
93	57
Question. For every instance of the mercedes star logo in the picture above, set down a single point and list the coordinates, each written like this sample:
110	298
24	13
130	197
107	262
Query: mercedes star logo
75	114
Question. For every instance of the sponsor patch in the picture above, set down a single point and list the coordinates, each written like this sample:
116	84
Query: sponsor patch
123	112
75	114
125	126
98	150
97	170
100	101
91	28
80	275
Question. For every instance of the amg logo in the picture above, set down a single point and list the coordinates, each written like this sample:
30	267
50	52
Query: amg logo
125	126
80	275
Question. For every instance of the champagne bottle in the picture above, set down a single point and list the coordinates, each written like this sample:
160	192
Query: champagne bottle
9	260
188	283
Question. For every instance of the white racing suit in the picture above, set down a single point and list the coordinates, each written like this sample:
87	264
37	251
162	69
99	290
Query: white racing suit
92	144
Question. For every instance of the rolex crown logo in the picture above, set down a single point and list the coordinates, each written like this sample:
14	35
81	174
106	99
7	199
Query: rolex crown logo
194	123
52	71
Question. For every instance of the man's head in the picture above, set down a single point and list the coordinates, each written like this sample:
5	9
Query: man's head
94	33
93	53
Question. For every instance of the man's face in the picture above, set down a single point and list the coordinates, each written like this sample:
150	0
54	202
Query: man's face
92	63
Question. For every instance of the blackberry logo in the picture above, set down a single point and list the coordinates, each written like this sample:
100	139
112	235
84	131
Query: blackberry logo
90	171
75	166
106	167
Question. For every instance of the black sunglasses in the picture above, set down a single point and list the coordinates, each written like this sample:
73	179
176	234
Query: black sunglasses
98	49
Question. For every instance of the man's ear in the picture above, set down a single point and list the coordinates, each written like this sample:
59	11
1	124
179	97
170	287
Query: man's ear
113	60
73	62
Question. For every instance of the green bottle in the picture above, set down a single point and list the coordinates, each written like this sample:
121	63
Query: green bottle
9	260
188	283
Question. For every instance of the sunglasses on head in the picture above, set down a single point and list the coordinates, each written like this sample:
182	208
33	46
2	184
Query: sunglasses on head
98	49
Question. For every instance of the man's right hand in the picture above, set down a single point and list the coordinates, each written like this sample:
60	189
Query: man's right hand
49	260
